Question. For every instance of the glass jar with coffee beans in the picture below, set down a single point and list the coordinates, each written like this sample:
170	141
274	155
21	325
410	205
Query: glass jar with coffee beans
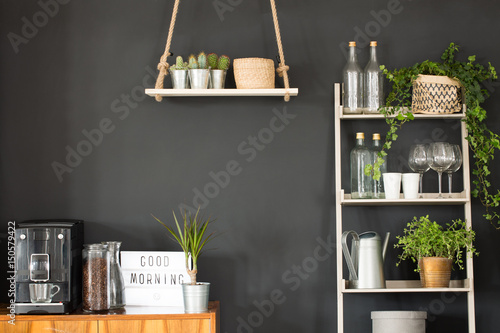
95	279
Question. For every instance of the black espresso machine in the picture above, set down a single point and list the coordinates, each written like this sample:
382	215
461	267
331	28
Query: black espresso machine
48	256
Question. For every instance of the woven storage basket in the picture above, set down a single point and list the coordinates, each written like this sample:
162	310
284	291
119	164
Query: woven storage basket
254	73
436	94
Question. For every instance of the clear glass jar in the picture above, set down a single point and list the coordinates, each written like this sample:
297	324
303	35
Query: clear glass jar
378	185
374	83
95	277
361	184
353	83
116	283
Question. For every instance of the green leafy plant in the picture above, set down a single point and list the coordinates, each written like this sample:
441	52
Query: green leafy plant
482	141
192	237
423	238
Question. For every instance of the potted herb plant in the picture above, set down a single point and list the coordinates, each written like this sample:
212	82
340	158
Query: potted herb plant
191	234
482	141
435	248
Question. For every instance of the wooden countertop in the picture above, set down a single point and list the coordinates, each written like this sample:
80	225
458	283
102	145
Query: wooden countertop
128	313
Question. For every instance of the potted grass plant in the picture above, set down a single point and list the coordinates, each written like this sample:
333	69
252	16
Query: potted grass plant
435	248
192	236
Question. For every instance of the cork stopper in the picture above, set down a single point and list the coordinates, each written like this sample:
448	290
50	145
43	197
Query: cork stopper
352	43
376	136
373	43
360	135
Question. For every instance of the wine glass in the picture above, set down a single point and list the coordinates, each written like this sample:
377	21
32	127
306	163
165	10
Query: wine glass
455	165
440	157
417	161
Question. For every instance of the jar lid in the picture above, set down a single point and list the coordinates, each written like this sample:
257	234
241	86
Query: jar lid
95	246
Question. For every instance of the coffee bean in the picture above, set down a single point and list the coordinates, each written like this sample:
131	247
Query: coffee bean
95	284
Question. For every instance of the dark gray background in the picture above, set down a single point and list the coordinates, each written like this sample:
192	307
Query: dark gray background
82	64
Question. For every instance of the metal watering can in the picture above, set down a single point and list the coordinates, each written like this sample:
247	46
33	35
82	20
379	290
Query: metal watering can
366	259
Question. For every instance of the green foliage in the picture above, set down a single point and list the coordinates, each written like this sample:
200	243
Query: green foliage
482	141
192	238
202	61
223	62
423	238
193	63
212	59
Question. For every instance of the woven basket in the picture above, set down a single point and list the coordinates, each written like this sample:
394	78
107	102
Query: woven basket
254	73
436	94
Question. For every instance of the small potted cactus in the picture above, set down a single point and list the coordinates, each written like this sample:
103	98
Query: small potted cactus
218	66
179	74
199	72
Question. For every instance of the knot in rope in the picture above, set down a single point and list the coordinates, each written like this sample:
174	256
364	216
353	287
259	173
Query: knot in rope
163	66
281	69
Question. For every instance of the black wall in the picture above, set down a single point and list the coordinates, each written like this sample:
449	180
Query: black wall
85	67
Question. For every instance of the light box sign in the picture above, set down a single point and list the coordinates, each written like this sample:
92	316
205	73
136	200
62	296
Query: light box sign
154	278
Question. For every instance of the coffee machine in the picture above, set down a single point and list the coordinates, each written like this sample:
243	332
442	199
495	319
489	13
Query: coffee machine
48	253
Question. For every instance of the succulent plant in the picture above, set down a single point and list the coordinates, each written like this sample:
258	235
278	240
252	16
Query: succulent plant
179	64
212	59
202	60
223	62
193	63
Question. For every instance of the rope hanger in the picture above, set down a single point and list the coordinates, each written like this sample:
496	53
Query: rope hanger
163	65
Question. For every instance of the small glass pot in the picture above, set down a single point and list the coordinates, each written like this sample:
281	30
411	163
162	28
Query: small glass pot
95	278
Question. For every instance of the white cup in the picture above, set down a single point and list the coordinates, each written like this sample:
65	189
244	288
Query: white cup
410	185
392	185
42	292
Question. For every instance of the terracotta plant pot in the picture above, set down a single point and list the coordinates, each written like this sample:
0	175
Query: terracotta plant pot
435	272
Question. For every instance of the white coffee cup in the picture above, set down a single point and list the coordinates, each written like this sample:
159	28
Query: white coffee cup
392	185
410	185
42	292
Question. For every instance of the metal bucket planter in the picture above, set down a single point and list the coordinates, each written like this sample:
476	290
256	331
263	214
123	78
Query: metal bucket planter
435	272
179	78
199	78
217	78
196	297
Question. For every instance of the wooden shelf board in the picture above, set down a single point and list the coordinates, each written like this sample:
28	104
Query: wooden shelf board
220	92
459	115
410	286
429	199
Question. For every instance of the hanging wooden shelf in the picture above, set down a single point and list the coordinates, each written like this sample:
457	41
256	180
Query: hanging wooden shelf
220	92
159	92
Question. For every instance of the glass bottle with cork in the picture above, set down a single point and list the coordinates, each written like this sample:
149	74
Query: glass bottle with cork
361	156
353	83
373	83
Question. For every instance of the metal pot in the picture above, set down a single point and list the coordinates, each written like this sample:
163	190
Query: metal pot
199	78
196	297
217	78
179	78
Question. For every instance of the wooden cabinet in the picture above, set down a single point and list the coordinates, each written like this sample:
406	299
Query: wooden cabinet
132	319
37	326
